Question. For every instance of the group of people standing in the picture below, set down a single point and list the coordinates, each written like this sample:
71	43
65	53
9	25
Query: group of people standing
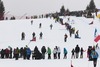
92	54
36	53
56	52
76	51
33	35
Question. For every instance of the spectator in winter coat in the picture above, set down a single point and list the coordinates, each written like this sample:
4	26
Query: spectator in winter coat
10	54
28	53
7	53
2	53
55	53
43	50
89	51
21	52
81	54
94	55
58	51
65	37
77	50
49	53
24	53
16	53
65	53
73	53
37	53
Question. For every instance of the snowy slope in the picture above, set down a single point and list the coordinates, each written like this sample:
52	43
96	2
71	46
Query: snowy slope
10	35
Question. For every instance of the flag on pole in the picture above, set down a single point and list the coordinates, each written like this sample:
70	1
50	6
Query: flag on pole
97	38
34	39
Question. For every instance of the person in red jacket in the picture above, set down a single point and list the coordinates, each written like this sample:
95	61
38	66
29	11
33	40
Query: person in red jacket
7	53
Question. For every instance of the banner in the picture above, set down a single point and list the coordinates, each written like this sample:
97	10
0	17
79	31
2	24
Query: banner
97	38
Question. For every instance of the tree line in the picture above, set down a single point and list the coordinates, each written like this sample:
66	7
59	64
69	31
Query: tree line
91	8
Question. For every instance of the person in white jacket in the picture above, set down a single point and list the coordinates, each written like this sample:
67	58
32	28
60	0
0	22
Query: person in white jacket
59	52
55	53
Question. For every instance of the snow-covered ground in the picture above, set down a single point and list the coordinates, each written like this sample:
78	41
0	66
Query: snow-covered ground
10	35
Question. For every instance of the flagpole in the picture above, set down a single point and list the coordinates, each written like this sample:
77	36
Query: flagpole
28	43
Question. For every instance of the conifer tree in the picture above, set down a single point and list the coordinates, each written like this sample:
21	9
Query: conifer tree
2	10
62	11
91	7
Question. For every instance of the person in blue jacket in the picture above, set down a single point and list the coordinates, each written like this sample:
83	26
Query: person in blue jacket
28	53
65	53
94	56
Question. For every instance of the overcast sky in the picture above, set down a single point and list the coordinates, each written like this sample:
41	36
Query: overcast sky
36	7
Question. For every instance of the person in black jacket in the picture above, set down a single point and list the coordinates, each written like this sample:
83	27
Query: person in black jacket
24	53
37	53
77	50
21	52
10	54
43	50
81	54
2	53
73	53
